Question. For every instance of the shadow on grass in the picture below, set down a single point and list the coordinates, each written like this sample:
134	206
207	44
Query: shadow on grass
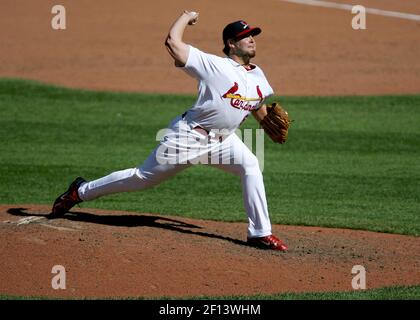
131	221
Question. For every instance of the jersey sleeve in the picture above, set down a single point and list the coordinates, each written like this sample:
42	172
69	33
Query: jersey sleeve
200	65
267	89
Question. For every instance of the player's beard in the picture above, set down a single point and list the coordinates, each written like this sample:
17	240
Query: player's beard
251	51
246	54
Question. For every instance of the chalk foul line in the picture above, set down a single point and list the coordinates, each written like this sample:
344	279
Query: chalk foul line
344	6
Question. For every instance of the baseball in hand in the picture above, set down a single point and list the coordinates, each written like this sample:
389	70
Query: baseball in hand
193	21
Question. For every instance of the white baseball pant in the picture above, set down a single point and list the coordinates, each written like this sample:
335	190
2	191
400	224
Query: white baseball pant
181	147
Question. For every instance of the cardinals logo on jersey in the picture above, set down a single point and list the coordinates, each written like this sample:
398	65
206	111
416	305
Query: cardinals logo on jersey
240	102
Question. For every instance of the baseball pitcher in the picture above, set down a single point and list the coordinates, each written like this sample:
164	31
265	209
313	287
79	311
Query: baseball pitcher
229	89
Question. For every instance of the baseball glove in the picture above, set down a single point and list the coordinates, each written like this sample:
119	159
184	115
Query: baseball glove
276	123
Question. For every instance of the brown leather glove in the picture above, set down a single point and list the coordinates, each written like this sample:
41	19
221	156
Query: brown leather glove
276	123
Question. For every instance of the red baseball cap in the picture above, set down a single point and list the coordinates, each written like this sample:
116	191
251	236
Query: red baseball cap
238	30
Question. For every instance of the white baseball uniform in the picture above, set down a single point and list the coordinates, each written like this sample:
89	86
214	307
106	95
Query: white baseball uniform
227	93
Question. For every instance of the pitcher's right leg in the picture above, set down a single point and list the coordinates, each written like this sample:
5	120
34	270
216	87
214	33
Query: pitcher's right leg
161	164
148	175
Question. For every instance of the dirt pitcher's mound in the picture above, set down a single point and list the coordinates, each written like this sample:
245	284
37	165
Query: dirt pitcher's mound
120	254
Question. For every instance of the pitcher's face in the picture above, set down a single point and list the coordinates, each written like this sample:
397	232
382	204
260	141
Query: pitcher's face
245	47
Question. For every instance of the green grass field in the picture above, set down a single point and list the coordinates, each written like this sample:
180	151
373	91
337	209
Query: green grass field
349	162
394	293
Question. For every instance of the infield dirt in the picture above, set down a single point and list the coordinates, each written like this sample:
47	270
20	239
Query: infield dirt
119	46
128	254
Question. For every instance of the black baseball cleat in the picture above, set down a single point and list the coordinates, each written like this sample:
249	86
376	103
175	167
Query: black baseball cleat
67	200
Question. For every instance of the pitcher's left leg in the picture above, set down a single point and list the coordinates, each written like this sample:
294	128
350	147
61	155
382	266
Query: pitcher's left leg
236	158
